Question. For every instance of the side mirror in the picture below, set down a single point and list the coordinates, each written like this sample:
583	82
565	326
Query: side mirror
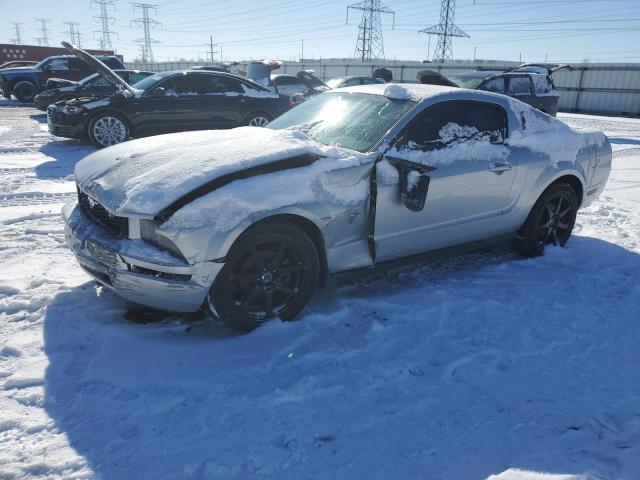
414	182
158	92
297	98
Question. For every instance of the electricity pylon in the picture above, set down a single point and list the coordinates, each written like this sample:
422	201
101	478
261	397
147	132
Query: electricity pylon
445	30
370	43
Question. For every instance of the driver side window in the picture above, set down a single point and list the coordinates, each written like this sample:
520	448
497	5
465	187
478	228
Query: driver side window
452	122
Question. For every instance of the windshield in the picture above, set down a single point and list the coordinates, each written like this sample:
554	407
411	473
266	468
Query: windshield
334	82
86	80
351	120
145	83
466	81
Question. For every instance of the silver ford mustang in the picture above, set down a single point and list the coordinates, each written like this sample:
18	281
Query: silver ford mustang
247	222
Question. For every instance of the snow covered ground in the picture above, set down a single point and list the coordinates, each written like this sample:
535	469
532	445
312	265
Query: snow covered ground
481	365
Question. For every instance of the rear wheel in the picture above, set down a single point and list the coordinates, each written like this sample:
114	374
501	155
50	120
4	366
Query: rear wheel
271	271
258	120
25	91
551	220
107	129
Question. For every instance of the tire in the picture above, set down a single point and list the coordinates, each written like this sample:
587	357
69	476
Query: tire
25	91
106	129
551	220
259	119
271	271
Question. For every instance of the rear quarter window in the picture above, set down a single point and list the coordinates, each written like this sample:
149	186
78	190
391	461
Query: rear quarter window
494	85
519	86
543	85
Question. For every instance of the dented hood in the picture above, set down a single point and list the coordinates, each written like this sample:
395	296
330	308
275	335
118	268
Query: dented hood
144	177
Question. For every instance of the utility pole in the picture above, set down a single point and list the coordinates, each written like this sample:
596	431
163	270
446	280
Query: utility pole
147	23
370	43
43	40
445	30
105	21
301	50
73	32
18	29
211	52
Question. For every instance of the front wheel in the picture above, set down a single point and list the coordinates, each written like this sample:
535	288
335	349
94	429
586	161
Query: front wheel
551	220
107	129
25	91
258	120
271	271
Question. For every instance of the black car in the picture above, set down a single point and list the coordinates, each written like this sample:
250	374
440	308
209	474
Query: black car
162	103
529	83
92	86
25	82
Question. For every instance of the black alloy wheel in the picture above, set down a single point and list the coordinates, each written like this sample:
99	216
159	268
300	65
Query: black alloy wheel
272	271
551	221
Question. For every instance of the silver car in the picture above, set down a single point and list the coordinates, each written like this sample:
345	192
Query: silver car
247	222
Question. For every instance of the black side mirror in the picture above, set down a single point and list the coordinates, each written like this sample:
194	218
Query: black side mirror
158	92
414	182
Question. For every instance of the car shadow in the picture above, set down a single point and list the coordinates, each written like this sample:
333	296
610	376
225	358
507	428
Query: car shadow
65	154
463	368
624	141
39	117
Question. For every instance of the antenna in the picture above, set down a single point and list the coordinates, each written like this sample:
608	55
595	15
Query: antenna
104	20
18	30
43	40
73	32
370	44
147	23
445	30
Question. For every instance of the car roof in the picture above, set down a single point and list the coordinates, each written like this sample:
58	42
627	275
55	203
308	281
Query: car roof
401	91
170	73
73	56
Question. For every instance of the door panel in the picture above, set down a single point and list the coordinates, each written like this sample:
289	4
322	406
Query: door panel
470	174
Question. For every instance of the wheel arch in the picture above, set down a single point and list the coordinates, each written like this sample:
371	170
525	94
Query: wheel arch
261	111
574	182
301	220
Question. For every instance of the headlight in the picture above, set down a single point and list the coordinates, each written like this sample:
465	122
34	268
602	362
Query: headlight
149	233
73	110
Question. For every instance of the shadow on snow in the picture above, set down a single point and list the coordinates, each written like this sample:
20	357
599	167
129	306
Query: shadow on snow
444	372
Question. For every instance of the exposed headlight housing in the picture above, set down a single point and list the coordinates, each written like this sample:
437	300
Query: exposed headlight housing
71	110
149	233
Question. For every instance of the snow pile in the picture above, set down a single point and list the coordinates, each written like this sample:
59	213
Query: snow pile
516	474
144	176
548	136
400	91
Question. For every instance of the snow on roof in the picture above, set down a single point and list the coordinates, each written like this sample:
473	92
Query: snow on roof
401	91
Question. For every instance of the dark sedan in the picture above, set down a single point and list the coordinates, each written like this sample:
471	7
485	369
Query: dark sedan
162	103
92	86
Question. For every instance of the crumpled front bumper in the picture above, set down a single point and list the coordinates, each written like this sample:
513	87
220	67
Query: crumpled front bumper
136	270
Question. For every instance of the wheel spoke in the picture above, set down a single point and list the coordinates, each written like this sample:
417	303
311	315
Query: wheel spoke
559	206
555	236
268	301
290	269
564	212
277	260
562	226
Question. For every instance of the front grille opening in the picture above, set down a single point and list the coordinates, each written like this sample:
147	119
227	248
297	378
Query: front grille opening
118	226
155	273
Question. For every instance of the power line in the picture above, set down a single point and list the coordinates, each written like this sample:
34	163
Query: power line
105	21
74	33
147	23
445	30
370	43
43	40
18	38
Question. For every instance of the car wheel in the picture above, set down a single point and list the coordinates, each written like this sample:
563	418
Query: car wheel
25	91
258	120
107	129
550	222
271	271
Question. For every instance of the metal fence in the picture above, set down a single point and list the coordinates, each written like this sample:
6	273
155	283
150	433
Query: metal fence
606	88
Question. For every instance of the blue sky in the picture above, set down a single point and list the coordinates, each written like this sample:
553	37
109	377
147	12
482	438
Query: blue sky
560	30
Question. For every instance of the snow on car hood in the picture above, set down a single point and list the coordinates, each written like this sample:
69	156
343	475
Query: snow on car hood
142	177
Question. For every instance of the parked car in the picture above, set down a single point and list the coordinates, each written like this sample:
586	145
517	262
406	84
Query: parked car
219	67
529	83
299	87
247	222
17	63
91	87
25	82
173	101
351	81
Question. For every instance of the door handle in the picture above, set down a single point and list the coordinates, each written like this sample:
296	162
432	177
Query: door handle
499	167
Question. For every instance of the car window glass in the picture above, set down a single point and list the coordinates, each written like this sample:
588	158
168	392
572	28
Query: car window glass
519	86
542	84
351	82
185	85
59	64
111	62
77	64
368	81
451	122
136	77
286	81
494	85
220	84
99	82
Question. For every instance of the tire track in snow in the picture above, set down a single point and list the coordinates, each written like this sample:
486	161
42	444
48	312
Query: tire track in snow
34	198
